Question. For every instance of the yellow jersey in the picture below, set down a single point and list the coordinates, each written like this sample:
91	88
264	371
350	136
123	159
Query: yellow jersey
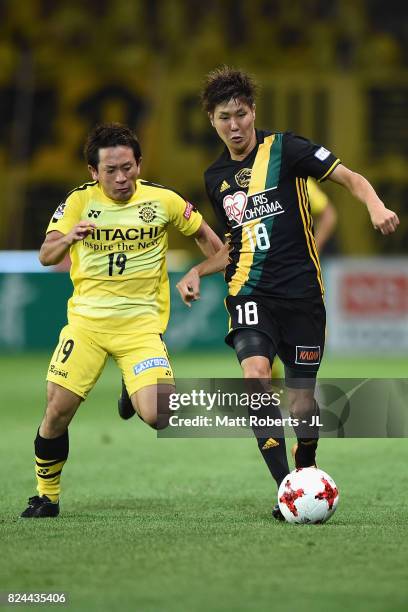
119	271
317	198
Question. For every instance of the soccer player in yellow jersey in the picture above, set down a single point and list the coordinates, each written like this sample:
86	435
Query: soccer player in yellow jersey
324	214
115	229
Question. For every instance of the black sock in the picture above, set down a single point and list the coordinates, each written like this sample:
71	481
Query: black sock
273	446
52	448
308	437
273	450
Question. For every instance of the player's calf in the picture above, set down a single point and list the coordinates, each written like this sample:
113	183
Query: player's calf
62	405
148	414
305	410
272	446
153	405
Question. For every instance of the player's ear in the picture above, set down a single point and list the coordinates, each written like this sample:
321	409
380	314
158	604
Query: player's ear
254	109
211	117
93	172
139	165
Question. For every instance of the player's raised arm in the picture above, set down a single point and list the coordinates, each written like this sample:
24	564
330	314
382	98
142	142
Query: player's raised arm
189	285
207	240
56	244
382	218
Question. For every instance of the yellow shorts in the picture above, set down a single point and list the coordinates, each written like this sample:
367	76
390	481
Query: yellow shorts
80	356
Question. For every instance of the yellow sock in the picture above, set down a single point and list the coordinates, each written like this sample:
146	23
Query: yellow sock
48	473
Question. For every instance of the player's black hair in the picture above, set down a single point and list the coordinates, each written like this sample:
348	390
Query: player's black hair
224	84
110	135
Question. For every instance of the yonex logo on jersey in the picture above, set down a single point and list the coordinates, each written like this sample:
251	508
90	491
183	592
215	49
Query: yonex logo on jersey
307	355
94	214
154	362
322	154
59	213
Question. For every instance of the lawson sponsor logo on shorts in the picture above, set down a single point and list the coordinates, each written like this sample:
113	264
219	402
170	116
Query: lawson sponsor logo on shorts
154	362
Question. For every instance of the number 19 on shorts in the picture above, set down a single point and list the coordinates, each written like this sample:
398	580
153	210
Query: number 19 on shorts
247	314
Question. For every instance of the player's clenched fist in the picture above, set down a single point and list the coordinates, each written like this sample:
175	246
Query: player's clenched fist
80	231
384	220
189	287
56	245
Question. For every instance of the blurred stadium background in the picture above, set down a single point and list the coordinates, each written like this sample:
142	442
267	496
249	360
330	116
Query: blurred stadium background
334	71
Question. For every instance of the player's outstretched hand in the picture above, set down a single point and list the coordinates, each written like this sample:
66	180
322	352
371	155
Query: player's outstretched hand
80	231
189	287
384	220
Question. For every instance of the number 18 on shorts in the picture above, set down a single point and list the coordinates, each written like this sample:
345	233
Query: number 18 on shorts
294	327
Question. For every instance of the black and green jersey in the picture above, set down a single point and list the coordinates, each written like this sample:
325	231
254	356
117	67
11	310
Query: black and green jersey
263	206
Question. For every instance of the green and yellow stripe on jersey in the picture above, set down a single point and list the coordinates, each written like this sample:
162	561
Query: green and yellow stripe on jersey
303	201
265	175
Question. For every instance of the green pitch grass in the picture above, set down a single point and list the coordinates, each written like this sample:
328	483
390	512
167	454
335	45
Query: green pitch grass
184	525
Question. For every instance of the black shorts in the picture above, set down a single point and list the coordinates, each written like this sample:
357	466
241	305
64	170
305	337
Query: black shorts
295	328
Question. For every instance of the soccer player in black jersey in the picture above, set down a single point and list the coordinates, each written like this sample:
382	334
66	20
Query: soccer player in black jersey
257	188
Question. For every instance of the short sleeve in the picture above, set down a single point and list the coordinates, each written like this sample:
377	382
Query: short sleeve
67	215
183	215
307	158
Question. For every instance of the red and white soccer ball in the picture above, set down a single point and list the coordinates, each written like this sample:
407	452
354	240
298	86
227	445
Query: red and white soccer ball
308	495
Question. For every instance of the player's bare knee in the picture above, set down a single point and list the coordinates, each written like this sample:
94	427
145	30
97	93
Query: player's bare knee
257	371
154	420
57	412
153	405
149	417
162	422
61	407
133	399
300	402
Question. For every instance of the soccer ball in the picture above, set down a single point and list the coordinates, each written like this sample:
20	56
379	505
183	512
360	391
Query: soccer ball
308	495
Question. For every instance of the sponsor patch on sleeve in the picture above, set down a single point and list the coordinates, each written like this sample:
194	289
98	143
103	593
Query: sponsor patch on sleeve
59	213
188	210
154	362
322	154
307	355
